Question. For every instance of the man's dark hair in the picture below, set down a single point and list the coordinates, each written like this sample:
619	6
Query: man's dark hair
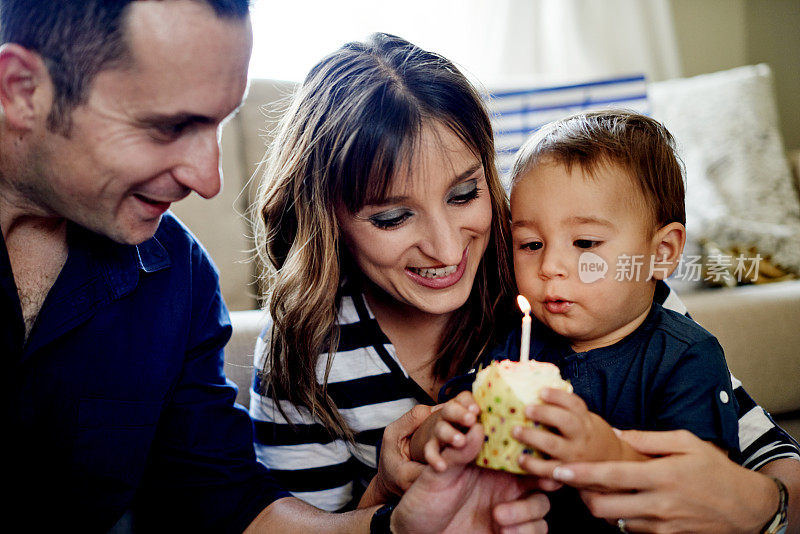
77	39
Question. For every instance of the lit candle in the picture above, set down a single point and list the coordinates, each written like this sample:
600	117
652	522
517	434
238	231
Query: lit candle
525	342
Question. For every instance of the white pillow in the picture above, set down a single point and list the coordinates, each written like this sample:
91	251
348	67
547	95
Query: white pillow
739	185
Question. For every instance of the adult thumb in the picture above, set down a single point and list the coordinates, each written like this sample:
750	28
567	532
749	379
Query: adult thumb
408	423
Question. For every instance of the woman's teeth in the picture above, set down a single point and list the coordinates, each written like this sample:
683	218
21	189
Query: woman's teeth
435	273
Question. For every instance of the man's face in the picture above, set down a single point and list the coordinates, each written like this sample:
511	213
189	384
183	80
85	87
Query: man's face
149	133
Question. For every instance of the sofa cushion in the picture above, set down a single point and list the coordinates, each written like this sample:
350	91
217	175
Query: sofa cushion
739	185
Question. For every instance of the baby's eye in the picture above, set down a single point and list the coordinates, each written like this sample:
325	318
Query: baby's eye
531	246
390	219
586	243
464	192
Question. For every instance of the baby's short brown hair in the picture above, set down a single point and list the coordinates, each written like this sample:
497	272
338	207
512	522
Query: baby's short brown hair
636	142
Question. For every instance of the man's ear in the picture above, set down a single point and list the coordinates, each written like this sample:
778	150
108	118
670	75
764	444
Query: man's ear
668	243
26	92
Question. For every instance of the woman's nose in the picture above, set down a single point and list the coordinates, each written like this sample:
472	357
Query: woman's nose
442	240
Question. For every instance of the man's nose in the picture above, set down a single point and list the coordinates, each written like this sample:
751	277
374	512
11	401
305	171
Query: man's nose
200	168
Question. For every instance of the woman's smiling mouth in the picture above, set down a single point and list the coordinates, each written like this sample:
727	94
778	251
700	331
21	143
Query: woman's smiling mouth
439	277
434	272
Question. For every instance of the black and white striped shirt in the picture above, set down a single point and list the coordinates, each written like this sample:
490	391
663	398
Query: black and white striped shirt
371	389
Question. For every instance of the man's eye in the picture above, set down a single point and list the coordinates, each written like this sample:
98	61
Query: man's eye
465	192
533	245
390	219
586	243
170	131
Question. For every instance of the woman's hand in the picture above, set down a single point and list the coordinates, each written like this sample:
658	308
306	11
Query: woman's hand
467	498
396	470
689	486
443	428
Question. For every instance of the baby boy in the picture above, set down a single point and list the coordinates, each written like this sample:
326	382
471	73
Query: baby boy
597	208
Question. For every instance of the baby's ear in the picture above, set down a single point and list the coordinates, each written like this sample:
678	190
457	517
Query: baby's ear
668	243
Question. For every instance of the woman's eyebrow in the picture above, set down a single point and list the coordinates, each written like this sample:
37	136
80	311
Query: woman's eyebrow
466	174
399	199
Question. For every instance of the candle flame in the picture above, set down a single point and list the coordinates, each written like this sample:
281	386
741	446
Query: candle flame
523	304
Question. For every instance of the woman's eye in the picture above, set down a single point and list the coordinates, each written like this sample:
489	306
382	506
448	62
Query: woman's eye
464	192
586	243
390	219
532	246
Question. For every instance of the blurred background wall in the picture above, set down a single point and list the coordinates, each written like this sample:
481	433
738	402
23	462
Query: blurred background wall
715	35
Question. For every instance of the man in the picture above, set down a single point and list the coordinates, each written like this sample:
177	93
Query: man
113	321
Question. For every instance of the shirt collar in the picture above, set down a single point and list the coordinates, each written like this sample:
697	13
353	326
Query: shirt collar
119	263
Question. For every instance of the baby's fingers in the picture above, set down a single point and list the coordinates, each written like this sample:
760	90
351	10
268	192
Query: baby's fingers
463	410
448	435
543	441
433	456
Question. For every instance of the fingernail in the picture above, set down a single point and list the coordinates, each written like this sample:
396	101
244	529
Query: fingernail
563	474
516	431
617	431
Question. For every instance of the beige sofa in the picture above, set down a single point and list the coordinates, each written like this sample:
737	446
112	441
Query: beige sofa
758	326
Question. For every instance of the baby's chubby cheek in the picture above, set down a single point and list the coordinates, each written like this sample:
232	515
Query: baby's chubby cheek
592	268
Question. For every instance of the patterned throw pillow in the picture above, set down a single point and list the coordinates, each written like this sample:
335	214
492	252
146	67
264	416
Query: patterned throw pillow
739	184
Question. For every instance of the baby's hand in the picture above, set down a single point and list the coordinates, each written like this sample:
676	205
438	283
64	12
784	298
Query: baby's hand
580	435
443	428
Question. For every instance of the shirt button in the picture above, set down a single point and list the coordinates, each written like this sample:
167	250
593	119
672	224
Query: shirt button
723	396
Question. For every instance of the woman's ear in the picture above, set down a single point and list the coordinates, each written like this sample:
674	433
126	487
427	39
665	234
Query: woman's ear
668	243
26	92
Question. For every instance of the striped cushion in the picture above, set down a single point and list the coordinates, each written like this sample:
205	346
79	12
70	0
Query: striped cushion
516	114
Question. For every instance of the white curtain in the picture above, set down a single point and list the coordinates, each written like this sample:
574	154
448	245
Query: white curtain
498	42
568	39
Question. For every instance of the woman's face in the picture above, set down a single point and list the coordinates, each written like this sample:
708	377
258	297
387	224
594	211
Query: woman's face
423	244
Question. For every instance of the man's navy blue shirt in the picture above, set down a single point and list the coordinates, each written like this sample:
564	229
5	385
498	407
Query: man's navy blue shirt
118	397
668	374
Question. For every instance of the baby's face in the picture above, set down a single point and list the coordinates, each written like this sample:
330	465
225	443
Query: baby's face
582	251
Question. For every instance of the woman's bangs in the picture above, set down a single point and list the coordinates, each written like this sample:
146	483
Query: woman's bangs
378	150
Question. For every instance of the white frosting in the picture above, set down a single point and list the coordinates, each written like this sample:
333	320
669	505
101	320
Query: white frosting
526	379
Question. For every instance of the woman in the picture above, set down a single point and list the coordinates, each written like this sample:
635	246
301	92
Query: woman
384	229
385	225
